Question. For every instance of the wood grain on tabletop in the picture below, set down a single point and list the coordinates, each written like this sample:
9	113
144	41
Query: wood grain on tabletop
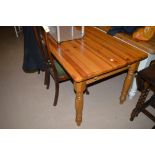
147	46
95	54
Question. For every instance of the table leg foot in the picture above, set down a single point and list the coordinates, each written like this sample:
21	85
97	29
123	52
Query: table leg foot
78	122
79	88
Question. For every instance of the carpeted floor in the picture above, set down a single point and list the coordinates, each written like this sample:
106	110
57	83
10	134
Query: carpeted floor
26	103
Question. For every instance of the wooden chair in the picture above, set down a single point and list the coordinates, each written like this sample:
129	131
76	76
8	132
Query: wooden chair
146	82
52	67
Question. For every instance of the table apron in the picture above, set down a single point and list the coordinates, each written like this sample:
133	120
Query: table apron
99	77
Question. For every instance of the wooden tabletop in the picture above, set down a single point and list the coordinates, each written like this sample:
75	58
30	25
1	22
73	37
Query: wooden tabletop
95	54
147	46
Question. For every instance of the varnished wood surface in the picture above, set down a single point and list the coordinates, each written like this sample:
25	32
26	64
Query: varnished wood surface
147	46
95	54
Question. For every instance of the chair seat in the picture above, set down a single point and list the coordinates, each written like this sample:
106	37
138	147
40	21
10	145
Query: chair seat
60	70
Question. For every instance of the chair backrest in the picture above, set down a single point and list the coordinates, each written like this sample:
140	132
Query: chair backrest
56	69
39	35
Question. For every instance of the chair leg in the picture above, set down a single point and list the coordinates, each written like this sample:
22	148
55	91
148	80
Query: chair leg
53	73
56	92
48	80
139	104
45	79
150	102
87	92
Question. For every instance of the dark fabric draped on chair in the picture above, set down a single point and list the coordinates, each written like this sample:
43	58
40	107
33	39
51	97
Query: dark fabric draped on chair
33	60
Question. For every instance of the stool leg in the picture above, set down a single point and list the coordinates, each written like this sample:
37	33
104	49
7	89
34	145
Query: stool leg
140	103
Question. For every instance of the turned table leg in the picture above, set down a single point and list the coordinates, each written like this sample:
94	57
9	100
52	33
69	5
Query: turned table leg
79	88
128	81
